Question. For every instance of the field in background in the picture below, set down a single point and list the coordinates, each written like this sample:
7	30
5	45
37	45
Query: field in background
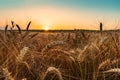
73	55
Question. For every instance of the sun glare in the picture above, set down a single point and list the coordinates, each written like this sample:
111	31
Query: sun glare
46	28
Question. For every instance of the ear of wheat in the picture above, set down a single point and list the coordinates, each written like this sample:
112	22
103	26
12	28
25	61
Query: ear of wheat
27	30
103	64
55	74
19	29
6	29
28	26
52	44
115	70
7	74
12	22
23	51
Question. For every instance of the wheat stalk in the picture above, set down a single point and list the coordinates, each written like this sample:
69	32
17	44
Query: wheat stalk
115	70
27	30
81	57
7	74
28	26
34	35
23	51
6	29
19	29
12	22
53	70
63	53
102	41
52	44
116	61
103	64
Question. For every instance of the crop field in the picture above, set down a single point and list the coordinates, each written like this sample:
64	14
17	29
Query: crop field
72	55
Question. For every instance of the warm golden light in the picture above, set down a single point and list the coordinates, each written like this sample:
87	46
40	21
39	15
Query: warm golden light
46	28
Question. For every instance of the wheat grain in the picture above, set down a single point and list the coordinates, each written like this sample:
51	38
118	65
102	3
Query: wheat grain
104	64
53	70
115	70
52	44
7	74
23	51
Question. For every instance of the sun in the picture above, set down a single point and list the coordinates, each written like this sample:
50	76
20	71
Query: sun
46	28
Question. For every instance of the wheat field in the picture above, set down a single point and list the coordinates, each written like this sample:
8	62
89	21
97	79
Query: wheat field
76	55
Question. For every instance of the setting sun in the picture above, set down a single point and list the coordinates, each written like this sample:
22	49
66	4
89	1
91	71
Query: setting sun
46	28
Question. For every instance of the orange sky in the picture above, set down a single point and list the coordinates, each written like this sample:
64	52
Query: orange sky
59	18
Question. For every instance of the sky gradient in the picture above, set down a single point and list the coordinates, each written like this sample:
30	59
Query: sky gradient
61	14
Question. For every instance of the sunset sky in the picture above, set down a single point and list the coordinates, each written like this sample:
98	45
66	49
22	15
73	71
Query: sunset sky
61	14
